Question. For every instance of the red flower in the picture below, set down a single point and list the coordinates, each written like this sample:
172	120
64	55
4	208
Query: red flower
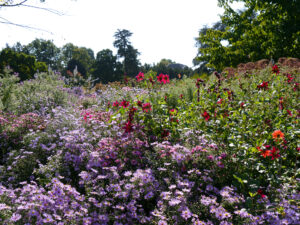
146	107
277	135
181	96
160	78
166	79
172	119
275	69
128	127
139	103
289	77
264	153
163	78
116	103
263	85
87	116
242	105
206	115
260	192
173	112
140	76
220	101
289	112
274	152
165	133
151	80
133	110
296	86
124	103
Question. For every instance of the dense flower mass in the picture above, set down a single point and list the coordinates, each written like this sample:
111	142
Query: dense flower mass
144	153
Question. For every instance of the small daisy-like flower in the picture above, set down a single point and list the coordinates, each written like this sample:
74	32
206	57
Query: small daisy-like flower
15	217
162	222
186	214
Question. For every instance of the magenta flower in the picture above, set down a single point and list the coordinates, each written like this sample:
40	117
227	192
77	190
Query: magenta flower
140	76
163	78
146	107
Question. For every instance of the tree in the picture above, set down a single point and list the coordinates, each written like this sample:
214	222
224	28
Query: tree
126	51
85	56
44	51
131	62
76	64
199	61
13	3
167	66
106	67
25	65
263	29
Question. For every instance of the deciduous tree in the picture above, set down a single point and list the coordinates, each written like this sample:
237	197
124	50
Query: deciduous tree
106	67
263	29
25	65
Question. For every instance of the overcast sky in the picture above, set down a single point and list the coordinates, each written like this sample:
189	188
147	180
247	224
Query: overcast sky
161	28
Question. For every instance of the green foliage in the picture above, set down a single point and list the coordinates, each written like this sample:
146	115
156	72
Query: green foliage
264	29
25	65
167	66
7	87
41	95
81	57
106	67
44	51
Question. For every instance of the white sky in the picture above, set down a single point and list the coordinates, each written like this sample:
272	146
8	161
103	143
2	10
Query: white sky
161	28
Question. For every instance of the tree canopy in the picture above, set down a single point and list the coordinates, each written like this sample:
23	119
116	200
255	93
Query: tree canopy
106	67
25	65
263	29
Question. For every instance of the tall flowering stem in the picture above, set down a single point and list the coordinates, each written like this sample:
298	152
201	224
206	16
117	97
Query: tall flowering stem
198	82
128	125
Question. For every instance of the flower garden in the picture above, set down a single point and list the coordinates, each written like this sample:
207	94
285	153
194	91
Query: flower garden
151	150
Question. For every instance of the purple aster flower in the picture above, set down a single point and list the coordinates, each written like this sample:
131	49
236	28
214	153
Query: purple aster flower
174	201
162	222
186	214
15	217
242	213
149	195
47	218
207	200
199	222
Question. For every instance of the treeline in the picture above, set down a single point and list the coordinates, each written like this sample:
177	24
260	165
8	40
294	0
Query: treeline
41	55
